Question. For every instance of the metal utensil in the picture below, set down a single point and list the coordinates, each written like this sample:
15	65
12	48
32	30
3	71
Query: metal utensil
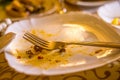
50	45
5	40
4	23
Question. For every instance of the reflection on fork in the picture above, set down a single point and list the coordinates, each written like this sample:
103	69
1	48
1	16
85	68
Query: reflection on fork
51	45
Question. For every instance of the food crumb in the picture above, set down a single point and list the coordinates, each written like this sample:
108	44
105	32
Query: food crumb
37	48
30	56
40	57
98	51
62	50
57	61
29	52
18	57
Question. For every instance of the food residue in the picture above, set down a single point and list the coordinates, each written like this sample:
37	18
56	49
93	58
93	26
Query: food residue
42	58
23	8
116	21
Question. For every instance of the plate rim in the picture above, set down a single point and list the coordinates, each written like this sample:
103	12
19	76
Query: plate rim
87	4
106	18
45	72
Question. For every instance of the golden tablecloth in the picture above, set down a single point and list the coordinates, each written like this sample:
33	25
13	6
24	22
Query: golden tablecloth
110	71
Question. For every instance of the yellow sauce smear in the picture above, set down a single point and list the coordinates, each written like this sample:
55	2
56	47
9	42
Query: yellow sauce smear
49	59
45	59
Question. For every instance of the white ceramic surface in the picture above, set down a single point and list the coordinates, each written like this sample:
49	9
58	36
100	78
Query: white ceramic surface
88	4
82	26
110	11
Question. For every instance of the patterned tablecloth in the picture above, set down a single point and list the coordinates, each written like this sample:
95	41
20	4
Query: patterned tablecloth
110	71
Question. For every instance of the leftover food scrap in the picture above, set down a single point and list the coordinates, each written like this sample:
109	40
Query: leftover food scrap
116	21
39	57
23	8
42	58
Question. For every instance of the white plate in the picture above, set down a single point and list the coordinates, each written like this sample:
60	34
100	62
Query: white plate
109	11
88	4
74	26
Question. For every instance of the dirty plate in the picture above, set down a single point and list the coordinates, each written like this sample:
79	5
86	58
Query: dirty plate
109	12
88	3
70	27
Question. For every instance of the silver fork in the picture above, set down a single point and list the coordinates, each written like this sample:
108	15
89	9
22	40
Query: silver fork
51	45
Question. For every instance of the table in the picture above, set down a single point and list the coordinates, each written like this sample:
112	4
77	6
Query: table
110	71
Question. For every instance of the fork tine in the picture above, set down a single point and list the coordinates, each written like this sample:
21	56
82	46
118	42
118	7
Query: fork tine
41	40
35	40
32	41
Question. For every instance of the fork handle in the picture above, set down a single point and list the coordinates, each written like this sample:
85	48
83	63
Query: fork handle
99	44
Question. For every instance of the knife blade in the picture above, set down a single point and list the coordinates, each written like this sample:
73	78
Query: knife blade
6	39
